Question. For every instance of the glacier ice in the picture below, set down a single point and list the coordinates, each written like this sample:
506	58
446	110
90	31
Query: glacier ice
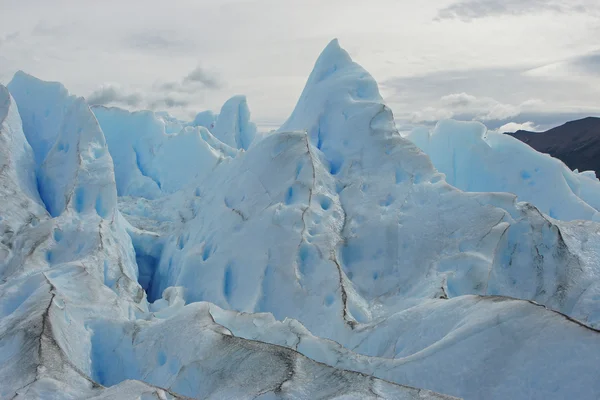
42	113
206	119
144	257
233	126
475	160
149	162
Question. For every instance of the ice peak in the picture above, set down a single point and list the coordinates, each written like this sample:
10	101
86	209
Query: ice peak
338	94
42	106
233	126
78	170
332	58
16	163
23	78
20	75
73	166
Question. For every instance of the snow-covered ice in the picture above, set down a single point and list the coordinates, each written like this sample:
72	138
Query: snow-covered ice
476	160
143	256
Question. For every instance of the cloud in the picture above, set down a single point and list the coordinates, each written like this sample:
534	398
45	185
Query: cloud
108	94
158	41
587	64
546	119
499	112
161	95
533	114
196	80
152	100
168	102
233	38
468	10
468	106
458	100
199	75
9	37
429	115
495	96
514	126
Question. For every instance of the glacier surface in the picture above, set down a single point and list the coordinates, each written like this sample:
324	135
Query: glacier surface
147	257
476	160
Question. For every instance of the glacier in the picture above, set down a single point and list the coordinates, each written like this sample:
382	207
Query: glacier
476	160
143	256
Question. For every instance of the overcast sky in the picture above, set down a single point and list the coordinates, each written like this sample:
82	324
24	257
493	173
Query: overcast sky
529	62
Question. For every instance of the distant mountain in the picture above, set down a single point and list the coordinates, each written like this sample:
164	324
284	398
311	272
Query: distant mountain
576	143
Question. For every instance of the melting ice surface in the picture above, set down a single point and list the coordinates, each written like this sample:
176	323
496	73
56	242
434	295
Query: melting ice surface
146	257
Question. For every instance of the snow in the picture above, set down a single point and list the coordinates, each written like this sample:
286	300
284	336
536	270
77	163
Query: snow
147	257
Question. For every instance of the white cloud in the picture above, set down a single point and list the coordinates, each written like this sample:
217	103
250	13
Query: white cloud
498	112
458	100
430	114
513	127
467	106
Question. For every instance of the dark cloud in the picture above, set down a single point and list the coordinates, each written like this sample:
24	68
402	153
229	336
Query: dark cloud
112	94
196	80
167	86
468	10
171	102
199	75
162	95
168	102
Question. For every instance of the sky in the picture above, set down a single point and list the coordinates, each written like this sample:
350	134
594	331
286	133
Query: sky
510	64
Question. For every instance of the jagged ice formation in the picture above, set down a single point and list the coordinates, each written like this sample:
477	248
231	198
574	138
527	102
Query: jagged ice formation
144	257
